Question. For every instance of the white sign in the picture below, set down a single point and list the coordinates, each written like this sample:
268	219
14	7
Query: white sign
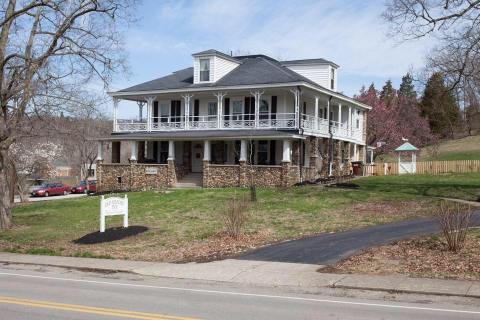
151	170
113	206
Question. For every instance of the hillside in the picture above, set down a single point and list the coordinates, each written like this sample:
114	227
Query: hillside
459	149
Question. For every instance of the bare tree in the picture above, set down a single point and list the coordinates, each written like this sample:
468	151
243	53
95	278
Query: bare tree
49	48
454	24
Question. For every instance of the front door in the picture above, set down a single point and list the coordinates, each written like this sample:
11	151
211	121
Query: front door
197	156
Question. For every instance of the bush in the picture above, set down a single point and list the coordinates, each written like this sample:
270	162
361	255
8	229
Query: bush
236	216
454	220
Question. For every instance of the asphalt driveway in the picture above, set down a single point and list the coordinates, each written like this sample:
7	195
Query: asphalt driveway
330	248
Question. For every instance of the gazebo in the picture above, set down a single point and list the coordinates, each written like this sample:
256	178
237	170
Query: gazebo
405	150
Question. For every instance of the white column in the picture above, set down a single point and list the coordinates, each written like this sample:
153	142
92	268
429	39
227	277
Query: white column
316	113
206	150
133	150
257	95
100	150
350	120
187	99
149	112
340	114
355	152
171	150
243	150
286	151
140	110
296	97
220	96
115	113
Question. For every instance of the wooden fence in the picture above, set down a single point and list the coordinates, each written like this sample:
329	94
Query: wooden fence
424	167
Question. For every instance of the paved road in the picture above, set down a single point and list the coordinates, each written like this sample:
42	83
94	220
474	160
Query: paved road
35	293
330	248
68	196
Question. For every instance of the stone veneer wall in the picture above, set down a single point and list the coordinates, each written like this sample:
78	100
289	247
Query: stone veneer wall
218	176
133	177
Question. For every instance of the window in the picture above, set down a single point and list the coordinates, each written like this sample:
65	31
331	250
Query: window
175	110
204	69
237	110
263	109
262	155
164	112
332	79
358	120
212	111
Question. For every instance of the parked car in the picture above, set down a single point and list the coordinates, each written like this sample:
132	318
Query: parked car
82	187
51	189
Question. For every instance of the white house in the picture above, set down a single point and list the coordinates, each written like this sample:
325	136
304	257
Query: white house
229	116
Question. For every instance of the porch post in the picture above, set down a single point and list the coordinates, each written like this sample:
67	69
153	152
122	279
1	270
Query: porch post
100	151
206	150
220	96
286	151
187	98
133	151
140	110
296	97
115	111
316	113
350	120
171	150
257	94
243	150
149	112
339	115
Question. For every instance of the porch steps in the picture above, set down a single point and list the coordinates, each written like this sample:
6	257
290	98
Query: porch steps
191	180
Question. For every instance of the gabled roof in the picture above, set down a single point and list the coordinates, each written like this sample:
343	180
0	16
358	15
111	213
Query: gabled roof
407	146
308	61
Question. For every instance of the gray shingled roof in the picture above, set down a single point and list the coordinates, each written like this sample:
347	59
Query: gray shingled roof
256	69
308	61
202	134
218	53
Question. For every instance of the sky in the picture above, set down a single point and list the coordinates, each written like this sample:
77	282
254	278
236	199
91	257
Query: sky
350	33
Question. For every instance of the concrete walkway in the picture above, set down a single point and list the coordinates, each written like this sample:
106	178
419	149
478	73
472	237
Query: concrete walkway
257	273
330	248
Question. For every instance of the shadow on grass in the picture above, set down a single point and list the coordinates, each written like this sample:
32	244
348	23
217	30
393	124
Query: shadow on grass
110	234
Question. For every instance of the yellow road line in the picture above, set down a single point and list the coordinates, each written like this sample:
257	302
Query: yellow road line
92	310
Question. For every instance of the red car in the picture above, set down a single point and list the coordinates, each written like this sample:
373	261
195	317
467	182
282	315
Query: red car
51	189
82	187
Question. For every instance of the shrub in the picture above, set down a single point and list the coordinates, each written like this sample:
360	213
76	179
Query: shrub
236	216
454	220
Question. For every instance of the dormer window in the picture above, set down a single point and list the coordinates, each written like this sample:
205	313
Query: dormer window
205	70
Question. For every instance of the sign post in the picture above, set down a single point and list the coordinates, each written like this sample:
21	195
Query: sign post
114	206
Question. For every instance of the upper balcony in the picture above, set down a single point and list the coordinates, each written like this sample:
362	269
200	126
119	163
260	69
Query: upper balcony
274	109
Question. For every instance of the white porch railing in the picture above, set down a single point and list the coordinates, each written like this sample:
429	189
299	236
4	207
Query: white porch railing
242	121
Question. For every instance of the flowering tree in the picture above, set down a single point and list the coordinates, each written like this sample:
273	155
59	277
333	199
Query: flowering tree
389	123
33	159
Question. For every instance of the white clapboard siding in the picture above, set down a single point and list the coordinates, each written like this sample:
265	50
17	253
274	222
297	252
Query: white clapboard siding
318	73
221	67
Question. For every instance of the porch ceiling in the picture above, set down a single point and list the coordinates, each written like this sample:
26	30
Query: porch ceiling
206	135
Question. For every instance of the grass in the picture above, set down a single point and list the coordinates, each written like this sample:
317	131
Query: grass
187	223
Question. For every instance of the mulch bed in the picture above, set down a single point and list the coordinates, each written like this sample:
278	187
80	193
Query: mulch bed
110	234
422	257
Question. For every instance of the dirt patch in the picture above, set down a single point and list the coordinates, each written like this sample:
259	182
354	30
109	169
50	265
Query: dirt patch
423	257
110	234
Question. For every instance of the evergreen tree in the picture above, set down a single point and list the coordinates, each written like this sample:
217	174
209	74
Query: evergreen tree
407	89
388	93
440	107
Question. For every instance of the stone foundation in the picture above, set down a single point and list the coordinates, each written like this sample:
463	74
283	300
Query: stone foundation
131	177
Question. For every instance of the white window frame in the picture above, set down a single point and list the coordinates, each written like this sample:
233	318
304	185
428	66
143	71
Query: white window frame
200	69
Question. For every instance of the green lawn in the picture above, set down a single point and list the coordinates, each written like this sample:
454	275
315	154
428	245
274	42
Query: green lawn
183	221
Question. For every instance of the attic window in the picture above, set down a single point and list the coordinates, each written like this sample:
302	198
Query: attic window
332	80
205	70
